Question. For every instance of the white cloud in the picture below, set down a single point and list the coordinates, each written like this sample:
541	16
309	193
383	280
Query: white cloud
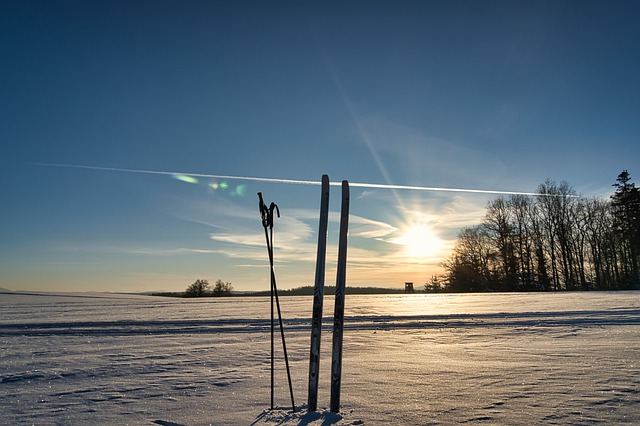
368	228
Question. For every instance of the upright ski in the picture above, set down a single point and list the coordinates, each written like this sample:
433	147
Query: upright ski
318	295
338	316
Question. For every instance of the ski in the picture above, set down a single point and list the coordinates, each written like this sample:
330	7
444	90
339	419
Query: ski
338	316
318	295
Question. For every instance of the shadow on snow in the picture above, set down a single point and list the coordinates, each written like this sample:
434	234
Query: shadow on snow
587	318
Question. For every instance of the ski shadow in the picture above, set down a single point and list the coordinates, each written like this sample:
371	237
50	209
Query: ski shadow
166	423
302	417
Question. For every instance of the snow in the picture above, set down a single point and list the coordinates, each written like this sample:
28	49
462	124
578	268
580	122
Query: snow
540	358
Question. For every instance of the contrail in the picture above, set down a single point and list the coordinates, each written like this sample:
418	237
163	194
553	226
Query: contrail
292	181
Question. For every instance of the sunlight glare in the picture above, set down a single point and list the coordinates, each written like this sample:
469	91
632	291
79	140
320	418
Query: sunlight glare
420	241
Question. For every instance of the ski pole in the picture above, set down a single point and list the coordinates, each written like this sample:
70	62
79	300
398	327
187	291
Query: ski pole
267	222
264	213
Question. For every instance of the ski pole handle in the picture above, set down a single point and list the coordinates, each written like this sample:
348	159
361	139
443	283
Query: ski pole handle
264	211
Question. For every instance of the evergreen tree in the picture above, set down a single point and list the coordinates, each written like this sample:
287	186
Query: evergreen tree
625	203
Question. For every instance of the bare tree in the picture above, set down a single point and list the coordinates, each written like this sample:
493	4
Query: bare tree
554	206
222	289
472	264
556	241
499	222
198	288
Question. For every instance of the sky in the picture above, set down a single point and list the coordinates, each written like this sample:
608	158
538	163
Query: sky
487	95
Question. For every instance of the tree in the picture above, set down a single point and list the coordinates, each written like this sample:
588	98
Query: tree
557	241
499	223
554	201
434	285
522	209
472	264
625	203
221	289
198	288
600	241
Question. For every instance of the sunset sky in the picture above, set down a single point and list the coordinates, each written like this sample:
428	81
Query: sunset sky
489	95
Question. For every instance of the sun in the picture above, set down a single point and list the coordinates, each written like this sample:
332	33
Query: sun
419	241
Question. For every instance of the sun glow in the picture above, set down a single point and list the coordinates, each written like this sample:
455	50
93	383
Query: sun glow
420	241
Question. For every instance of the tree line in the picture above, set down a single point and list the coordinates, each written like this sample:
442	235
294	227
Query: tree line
554	241
328	290
202	288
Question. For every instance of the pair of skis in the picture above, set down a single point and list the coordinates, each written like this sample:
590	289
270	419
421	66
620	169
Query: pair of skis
318	296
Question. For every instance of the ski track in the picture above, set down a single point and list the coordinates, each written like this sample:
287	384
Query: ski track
464	359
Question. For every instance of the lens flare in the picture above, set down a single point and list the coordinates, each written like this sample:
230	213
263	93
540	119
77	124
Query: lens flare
185	178
240	190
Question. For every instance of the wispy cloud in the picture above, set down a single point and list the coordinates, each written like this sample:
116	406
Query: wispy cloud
368	228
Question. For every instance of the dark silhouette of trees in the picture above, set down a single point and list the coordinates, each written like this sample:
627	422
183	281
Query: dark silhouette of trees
435	285
202	288
555	203
221	289
473	262
625	203
555	241
500	226
198	288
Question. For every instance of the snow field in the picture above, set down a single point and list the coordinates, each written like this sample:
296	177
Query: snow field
568	358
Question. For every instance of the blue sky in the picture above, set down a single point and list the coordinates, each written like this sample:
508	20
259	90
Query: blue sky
458	94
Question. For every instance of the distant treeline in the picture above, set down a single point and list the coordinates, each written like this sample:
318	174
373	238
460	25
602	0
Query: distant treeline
201	288
554	241
328	290
299	291
168	294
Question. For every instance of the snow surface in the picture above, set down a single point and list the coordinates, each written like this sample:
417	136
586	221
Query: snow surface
545	358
